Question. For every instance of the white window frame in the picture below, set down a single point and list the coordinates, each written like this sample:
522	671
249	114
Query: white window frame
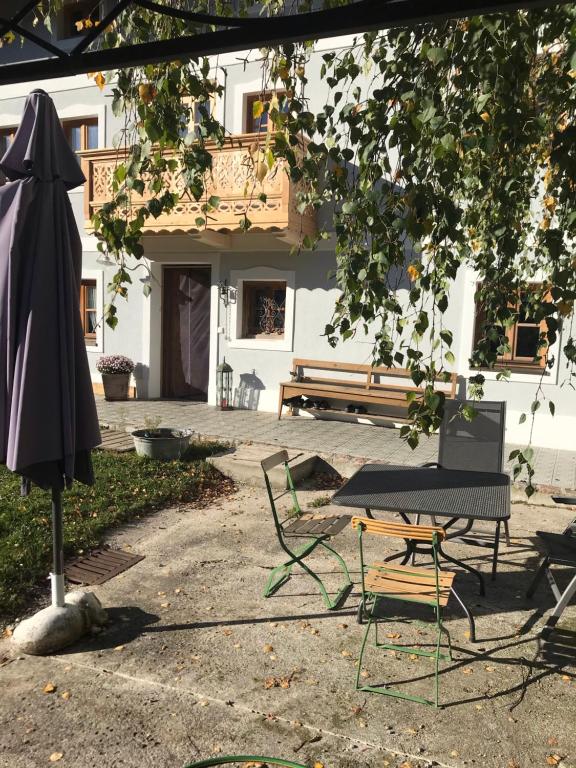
98	276
264	275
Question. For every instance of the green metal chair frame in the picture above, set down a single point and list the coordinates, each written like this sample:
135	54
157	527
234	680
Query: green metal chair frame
432	597
244	759
316	538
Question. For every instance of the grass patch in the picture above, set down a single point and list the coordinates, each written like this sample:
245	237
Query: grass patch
126	487
320	501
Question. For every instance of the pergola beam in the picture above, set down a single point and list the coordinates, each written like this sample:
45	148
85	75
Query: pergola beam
246	34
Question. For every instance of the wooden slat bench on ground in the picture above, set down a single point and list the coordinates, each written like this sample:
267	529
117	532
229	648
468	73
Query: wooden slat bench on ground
382	391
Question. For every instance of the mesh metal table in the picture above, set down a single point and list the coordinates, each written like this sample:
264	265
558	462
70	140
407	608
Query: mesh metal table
442	493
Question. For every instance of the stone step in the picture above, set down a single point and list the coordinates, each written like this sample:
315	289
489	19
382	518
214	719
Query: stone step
242	464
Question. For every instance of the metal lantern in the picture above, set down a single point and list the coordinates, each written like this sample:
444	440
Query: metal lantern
224	386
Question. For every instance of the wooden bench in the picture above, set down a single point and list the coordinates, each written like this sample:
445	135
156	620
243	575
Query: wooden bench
358	384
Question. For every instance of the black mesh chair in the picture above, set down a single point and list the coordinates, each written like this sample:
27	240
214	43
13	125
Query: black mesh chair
558	549
476	445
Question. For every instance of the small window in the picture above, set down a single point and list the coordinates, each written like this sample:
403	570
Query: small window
258	124
73	13
82	134
6	138
263	309
523	338
88	311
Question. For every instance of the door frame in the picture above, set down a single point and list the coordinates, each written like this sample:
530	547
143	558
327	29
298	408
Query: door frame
214	267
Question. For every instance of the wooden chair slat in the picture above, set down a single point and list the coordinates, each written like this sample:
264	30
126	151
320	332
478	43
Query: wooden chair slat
272	461
399	530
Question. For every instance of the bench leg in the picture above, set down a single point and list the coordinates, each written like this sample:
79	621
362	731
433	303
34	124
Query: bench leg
281	397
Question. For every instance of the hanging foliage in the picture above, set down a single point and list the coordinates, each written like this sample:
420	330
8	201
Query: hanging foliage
439	147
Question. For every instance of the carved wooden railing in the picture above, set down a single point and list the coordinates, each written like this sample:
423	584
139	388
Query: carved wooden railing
232	180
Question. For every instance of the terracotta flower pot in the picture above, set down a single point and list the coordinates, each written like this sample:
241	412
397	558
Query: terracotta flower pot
116	385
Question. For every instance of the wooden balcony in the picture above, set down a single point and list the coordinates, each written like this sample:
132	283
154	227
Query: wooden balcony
232	180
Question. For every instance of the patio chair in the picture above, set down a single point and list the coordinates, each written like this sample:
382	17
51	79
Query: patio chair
251	759
427	586
559	549
476	445
316	528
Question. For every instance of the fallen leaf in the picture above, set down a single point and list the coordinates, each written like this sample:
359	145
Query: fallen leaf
227	632
467	671
364	673
454	753
406	764
55	756
393	635
343	626
66	695
566	678
50	688
203	703
164	605
160	594
318	765
414	656
489	669
346	653
552	741
177	591
119	648
268	648
553	759
314	631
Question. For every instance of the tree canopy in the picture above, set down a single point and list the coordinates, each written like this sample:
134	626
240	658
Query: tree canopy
440	146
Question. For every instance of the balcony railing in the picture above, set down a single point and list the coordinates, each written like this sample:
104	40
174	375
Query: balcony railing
232	180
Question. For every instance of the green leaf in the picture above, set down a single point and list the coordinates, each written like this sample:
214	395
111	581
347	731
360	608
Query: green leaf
522	418
437	55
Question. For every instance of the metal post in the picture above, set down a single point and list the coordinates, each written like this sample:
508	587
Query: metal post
57	575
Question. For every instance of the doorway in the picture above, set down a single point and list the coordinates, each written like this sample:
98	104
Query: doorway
186	332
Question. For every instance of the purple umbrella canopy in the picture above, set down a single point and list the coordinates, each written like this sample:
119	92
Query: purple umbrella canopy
48	420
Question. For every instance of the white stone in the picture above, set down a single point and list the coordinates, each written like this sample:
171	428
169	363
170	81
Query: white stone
54	628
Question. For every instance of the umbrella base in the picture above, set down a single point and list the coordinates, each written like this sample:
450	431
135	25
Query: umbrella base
57	627
58	590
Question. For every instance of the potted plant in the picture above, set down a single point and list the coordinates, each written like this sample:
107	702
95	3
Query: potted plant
164	443
116	371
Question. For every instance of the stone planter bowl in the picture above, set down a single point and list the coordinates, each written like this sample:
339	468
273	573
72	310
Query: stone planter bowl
165	443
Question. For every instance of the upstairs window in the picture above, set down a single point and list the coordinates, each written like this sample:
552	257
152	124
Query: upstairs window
88	311
263	309
82	133
523	339
258	124
6	138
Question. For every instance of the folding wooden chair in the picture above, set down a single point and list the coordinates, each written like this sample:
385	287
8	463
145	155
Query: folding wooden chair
251	759
559	549
317	528
427	586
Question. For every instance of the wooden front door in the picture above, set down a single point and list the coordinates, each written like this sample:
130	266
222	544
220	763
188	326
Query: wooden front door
186	332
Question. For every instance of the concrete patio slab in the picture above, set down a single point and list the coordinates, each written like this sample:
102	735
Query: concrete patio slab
554	468
195	661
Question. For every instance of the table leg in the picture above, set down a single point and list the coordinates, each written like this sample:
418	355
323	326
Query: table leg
466	568
496	546
369	514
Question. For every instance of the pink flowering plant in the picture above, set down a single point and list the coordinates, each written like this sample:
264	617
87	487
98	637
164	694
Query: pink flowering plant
114	364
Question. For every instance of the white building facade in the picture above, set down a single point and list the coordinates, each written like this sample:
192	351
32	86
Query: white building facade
244	296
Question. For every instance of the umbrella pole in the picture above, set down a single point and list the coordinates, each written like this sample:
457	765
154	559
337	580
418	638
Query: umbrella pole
57	575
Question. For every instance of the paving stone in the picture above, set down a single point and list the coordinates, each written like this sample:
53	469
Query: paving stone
554	468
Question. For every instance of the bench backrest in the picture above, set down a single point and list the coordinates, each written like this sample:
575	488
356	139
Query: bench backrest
367	372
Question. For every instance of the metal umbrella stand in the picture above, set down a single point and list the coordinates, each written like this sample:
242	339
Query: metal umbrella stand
48	420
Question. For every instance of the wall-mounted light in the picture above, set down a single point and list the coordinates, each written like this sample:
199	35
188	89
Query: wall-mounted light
226	292
105	260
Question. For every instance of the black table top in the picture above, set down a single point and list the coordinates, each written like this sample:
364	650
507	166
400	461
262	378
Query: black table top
430	491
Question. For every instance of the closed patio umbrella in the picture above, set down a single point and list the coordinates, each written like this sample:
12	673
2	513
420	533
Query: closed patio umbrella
48	420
